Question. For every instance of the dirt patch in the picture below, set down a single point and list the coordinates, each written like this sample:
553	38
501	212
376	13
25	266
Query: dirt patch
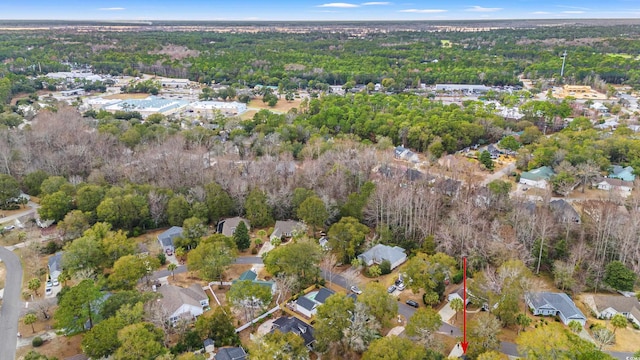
282	106
61	347
126	96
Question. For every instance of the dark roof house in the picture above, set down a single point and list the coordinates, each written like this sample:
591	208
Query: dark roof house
227	227
231	353
564	211
287	229
323	294
296	326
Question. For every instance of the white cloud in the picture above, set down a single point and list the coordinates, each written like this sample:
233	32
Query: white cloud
573	12
540	13
423	11
482	9
339	5
372	3
572	7
112	9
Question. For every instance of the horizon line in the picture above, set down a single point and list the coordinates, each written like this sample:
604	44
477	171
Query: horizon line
325	20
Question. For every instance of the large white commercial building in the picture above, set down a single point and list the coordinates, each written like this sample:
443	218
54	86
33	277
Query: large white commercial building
208	108
148	106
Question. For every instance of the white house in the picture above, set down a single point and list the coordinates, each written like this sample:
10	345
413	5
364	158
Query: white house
55	265
537	177
609	184
555	304
379	253
183	303
606	306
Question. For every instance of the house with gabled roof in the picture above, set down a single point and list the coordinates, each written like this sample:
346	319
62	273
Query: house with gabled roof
227	227
252	275
231	353
555	304
307	305
287	229
537	177
379	253
55	265
296	326
400	152
622	173
609	184
166	238
606	306
183	303
564	211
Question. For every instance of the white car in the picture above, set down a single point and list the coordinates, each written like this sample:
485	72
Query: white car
55	282
9	228
49	284
356	290
48	291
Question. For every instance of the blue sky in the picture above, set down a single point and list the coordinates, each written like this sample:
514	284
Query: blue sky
315	10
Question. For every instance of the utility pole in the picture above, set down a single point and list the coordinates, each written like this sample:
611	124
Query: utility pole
564	58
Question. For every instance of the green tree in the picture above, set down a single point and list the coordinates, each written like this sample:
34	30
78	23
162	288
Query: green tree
34	285
456	305
313	212
485	159
55	206
423	325
115	245
257	210
356	201
218	202
177	210
75	223
300	258
127	211
249	297
241	236
618	321
210	258
88	197
619	277
381	305
510	143
276	345
83	254
218	326
394	348
77	306
523	321
193	229
346	238
429	272
32	182
172	268
30	319
54	184
575	326
141	341
128	269
490	355
332	318
102	340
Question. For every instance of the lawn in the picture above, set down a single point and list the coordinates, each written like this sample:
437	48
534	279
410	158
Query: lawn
283	106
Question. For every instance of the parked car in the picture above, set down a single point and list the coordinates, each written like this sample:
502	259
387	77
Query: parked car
48	291
412	303
400	286
169	252
55	282
49	284
356	290
391	289
9	228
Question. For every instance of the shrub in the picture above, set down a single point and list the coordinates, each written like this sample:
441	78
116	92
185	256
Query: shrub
457	277
254	251
163	258
37	341
385	267
374	271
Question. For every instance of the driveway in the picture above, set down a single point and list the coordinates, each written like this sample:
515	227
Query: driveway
31	211
10	311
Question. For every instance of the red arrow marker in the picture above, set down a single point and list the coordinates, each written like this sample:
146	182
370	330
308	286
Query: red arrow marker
464	343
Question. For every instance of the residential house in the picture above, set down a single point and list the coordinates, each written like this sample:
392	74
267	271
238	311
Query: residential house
183	303
459	294
622	173
166	238
227	227
231	353
537	177
555	304
55	265
307	305
608	184
296	326
599	107
493	151
286	229
379	253
606	306
400	152
564	211
209	345
252	275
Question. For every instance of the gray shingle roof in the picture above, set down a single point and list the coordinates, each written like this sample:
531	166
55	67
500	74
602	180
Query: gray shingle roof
231	353
55	262
323	294
617	302
558	301
286	227
228	226
174	296
306	303
166	238
382	252
296	326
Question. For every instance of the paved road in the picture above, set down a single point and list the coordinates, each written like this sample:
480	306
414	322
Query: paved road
500	173
10	311
32	210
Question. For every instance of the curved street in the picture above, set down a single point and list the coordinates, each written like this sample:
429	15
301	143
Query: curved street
10	310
